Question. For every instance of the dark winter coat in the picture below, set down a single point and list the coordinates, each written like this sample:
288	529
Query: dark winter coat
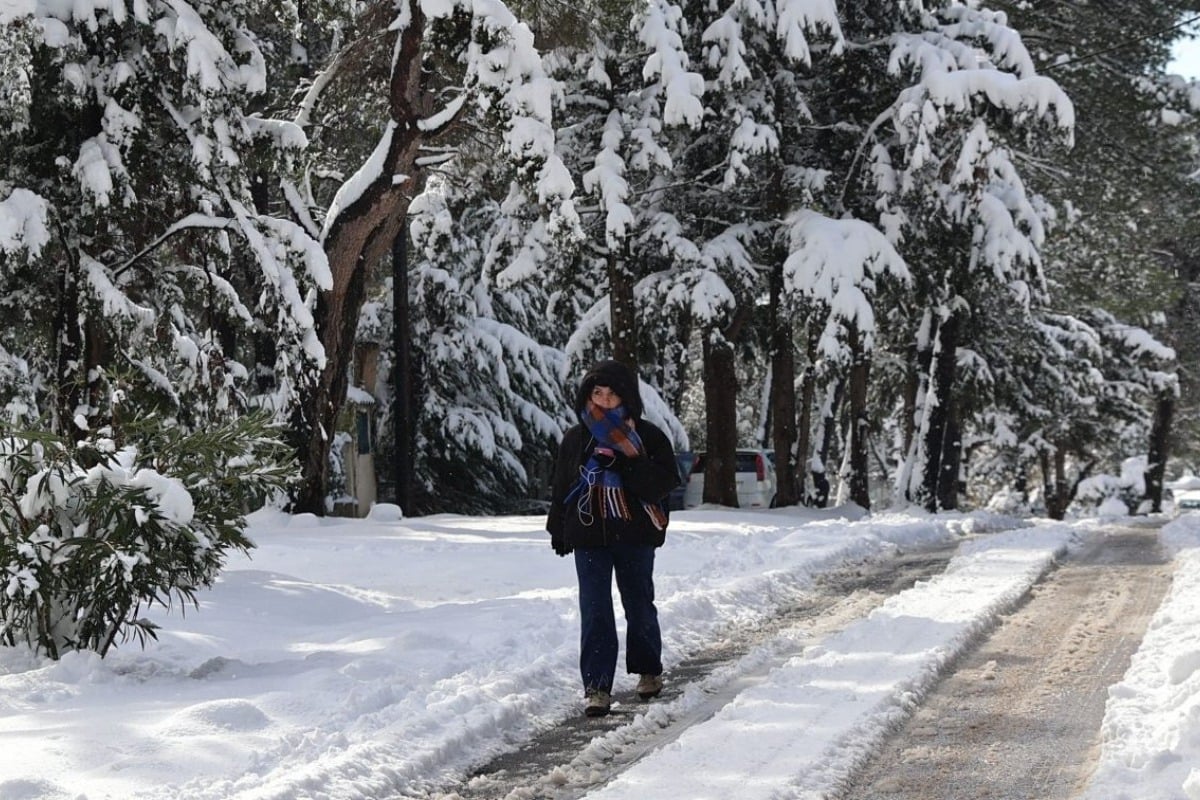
650	477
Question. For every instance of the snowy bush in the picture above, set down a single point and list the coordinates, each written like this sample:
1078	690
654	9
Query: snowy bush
93	531
1110	495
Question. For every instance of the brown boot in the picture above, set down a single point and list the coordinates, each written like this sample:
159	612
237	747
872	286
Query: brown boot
598	703
649	686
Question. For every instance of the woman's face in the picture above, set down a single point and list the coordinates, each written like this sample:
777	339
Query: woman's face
605	398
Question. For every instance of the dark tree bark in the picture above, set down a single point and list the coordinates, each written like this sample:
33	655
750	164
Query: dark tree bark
917	363
263	342
359	238
404	427
783	355
68	341
1054	485
622	312
1058	491
859	422
78	346
720	409
1160	445
808	391
783	395
821	485
950	479
941	431
81	352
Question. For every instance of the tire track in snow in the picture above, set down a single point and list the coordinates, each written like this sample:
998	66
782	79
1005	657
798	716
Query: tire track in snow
581	754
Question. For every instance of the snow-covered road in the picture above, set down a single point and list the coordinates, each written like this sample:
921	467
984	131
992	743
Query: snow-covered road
384	658
812	720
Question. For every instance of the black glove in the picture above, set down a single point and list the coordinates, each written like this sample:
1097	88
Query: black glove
605	457
560	545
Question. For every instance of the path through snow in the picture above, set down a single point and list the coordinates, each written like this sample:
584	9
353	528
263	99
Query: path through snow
583	753
800	713
811	722
1020	716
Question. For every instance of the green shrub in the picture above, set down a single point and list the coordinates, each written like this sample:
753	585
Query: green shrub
92	532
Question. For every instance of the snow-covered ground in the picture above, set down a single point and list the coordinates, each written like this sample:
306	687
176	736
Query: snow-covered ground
1151	733
366	659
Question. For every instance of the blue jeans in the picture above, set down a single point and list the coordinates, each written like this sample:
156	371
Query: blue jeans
634	567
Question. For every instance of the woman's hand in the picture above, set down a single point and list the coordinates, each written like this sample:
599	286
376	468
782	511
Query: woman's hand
605	456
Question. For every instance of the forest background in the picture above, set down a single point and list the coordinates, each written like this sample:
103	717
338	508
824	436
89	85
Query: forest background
934	252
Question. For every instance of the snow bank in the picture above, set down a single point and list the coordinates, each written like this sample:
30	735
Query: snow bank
1151	732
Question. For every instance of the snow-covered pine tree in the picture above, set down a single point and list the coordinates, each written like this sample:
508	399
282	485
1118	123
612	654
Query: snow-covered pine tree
905	141
938	170
1124	188
1180	328
489	398
836	263
630	97
706	227
493	306
1140	373
128	213
1070	396
1127	189
408	76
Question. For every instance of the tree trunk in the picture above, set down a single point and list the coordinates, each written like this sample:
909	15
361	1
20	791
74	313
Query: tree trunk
68	341
1160	444
357	240
1021	484
97	355
783	395
828	427
622	312
950	480
859	423
404	428
81	349
720	410
912	384
917	378
1054	485
782	404
808	391
1054	482
938	469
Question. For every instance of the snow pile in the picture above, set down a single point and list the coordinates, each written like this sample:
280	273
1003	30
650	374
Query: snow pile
1151	732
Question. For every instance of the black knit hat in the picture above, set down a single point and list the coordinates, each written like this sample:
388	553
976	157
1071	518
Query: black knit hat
616	376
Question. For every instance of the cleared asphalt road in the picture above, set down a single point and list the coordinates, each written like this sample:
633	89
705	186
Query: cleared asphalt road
1019	718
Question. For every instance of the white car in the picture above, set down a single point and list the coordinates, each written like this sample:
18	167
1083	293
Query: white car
755	480
1188	500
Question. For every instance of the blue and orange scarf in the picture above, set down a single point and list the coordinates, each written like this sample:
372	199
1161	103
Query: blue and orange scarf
599	488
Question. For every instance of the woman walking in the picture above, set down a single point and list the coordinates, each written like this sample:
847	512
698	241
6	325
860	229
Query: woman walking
608	506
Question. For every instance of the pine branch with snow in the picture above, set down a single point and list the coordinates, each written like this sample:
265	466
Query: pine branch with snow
133	206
